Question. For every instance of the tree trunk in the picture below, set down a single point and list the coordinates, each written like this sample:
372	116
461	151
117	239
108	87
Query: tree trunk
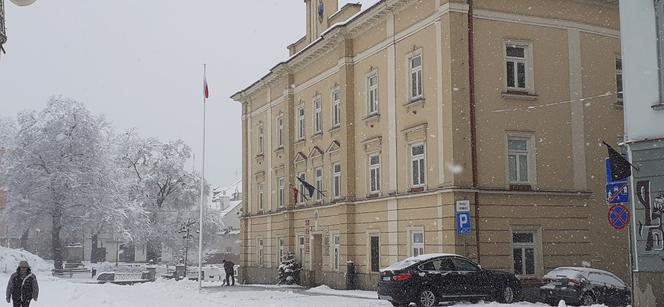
153	246
56	244
24	239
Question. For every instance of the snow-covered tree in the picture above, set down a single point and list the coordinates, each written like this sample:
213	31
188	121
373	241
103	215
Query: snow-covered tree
57	168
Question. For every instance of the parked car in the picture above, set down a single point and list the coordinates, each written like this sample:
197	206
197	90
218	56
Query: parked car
584	286
429	279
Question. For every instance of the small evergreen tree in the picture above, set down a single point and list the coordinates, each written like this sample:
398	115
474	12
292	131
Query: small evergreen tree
289	271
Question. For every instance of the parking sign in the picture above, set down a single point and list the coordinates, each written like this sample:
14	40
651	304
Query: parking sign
463	223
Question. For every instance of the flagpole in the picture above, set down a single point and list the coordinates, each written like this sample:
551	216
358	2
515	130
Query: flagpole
200	209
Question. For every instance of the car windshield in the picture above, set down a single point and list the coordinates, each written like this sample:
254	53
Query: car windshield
564	273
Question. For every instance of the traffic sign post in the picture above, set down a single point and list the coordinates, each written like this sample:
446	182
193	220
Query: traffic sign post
617	192
619	217
463	224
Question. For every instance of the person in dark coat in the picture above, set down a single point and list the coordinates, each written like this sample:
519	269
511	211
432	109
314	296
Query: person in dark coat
22	286
229	267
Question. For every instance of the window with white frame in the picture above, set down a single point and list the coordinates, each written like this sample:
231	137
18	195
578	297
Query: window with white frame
517	67
280	245
280	131
261	138
282	191
319	182
300	123
336	251
303	198
619	81
336	180
318	121
374	173
300	249
260	252
524	252
517	158
336	108
415	64
372	94
260	197
418	167
416	243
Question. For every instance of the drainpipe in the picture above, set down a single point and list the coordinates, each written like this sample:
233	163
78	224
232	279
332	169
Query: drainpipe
473	122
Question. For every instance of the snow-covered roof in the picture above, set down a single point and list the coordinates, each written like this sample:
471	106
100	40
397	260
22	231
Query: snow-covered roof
234	204
572	271
412	260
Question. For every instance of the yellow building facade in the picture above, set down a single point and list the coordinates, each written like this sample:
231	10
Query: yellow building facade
403	110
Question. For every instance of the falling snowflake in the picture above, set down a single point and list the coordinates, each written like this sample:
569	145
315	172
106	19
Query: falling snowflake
455	168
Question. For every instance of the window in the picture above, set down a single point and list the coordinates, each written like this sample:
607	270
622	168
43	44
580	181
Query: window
375	253
336	251
523	247
516	60
300	121
372	94
319	182
416	243
260	197
282	192
260	140
374	173
619	81
415	77
336	108
260	252
417	164
280	244
300	249
280	131
517	156
303	198
464	265
336	180
318	121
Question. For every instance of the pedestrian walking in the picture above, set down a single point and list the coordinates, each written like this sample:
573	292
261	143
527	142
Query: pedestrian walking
229	267
22	286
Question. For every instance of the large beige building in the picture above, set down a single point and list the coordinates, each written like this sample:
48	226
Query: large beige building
400	111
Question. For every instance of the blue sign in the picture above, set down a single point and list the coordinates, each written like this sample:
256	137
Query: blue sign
617	192
463	223
609	178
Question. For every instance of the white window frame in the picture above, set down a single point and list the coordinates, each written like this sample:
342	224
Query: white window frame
530	155
280	131
374	174
261	139
527	60
415	77
318	182
260	196
336	251
318	114
620	86
415	249
372	105
302	199
536	245
261	252
282	191
422	164
336	107
301	120
336	180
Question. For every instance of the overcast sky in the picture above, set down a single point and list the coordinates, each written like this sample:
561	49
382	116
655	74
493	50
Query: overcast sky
140	64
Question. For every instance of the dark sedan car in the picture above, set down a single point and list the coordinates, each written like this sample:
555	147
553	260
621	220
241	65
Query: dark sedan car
584	286
429	279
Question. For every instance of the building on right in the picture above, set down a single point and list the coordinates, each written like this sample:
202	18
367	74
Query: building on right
642	31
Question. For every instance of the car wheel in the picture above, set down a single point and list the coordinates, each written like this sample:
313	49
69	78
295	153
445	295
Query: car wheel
427	298
399	304
507	295
587	299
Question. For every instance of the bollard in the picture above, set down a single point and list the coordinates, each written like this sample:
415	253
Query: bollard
94	272
350	275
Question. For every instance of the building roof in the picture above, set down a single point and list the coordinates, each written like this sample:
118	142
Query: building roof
234	204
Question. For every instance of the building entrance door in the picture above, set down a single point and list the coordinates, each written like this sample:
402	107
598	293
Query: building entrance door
317	258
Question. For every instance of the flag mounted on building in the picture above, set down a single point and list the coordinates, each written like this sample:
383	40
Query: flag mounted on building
620	167
206	90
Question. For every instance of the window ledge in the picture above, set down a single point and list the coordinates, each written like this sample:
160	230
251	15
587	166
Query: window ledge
519	95
260	157
521	187
659	106
414	102
416	189
300	141
279	149
374	117
317	135
373	195
335	128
